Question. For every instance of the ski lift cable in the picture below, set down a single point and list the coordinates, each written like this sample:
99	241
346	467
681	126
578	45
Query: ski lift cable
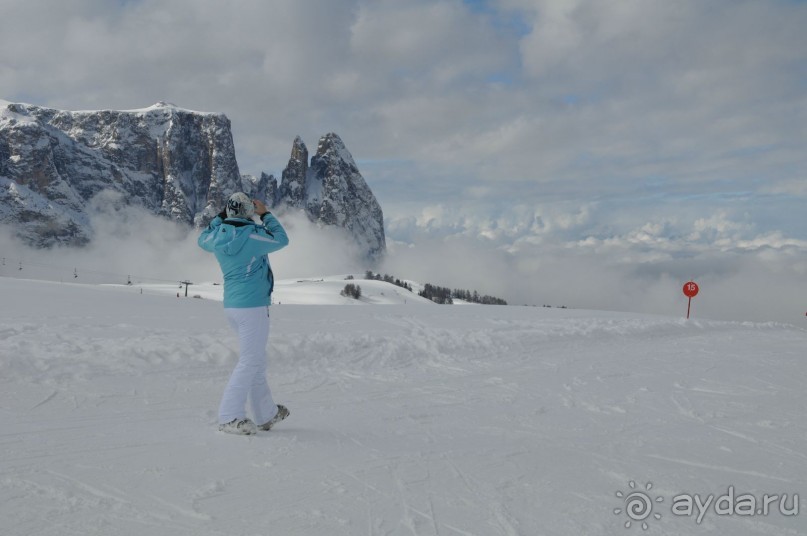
128	276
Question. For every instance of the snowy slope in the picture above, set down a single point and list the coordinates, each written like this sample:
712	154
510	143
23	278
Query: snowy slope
409	419
310	291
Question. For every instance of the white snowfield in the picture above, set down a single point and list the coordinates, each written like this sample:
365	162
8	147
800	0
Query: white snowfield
406	419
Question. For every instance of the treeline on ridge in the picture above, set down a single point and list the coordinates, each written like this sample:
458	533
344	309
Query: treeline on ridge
441	295
445	295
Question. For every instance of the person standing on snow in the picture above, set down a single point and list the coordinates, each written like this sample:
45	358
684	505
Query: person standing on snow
242	246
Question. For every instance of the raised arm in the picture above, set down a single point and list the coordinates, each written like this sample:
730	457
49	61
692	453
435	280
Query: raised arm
272	236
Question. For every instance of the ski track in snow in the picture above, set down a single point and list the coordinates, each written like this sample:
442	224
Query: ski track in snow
415	419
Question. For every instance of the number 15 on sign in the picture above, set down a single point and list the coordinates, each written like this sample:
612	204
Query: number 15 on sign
690	291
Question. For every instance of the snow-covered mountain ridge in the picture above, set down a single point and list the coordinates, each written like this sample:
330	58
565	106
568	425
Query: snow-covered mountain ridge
171	161
174	162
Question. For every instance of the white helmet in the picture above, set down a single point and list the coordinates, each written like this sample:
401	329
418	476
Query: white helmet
239	205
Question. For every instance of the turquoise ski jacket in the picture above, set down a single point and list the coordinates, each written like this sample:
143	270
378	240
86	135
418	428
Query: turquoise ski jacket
241	246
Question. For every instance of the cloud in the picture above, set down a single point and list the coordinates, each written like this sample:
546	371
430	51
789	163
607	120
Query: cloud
744	275
531	259
314	250
132	244
596	99
400	40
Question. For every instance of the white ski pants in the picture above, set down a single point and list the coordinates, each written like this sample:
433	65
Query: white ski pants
248	380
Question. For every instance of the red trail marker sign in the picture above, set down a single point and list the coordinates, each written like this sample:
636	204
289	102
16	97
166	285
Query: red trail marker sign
690	291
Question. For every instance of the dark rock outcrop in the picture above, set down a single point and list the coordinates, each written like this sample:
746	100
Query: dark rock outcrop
173	162
331	191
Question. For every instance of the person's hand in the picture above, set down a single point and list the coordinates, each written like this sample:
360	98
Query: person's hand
260	208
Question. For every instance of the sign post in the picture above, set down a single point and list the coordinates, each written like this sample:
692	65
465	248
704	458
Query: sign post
690	291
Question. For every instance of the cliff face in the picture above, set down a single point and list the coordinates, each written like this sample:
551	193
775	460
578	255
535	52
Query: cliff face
292	191
173	162
331	191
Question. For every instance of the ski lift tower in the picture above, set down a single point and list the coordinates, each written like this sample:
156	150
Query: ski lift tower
186	283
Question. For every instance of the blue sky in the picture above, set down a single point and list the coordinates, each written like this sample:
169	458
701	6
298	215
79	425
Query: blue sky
636	135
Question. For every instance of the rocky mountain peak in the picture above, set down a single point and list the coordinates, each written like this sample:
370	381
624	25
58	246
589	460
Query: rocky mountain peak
174	162
332	191
292	189
331	146
299	151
